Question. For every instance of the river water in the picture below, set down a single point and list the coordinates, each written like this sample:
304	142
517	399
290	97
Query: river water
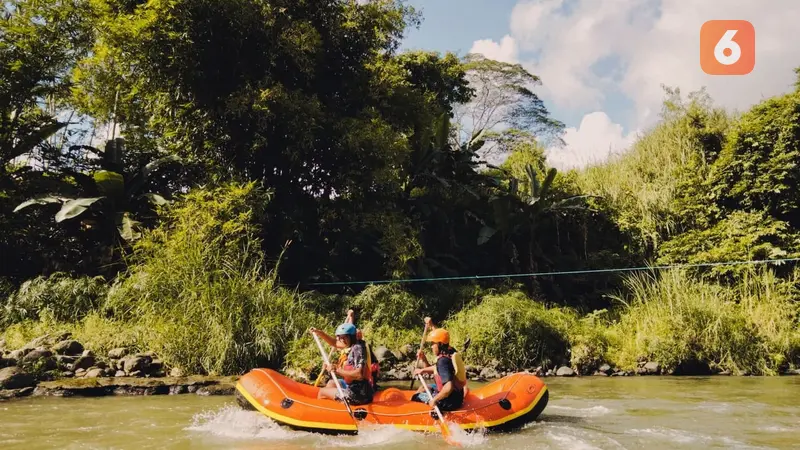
584	413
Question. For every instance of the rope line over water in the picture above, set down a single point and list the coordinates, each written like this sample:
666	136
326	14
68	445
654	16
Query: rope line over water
556	273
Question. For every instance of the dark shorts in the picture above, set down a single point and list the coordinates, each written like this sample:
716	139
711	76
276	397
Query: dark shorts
357	392
452	402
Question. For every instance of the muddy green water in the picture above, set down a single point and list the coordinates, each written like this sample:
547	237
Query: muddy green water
586	413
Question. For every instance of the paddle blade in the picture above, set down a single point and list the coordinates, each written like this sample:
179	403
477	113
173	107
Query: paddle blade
447	435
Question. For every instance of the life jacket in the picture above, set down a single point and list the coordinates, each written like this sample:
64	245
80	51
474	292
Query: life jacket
366	369
460	379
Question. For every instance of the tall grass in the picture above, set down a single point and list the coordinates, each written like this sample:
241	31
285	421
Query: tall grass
198	284
680	322
59	296
640	185
95	331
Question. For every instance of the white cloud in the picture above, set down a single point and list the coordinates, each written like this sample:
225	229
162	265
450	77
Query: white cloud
505	51
656	42
594	140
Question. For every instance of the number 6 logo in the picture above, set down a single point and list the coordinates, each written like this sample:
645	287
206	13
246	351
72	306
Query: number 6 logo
727	47
727	44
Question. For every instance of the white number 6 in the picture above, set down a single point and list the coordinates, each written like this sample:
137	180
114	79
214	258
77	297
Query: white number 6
726	43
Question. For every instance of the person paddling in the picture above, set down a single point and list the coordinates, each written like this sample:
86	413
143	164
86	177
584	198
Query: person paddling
448	392
356	378
374	366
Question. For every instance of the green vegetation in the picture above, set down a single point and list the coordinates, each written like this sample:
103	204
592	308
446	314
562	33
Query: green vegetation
688	325
315	157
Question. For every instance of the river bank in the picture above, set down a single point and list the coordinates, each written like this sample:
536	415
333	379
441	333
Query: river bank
56	365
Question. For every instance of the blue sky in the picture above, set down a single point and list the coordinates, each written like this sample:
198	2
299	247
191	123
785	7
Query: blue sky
603	62
454	25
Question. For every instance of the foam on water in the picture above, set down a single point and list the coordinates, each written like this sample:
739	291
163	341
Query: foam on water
232	422
715	407
592	411
370	436
779	429
676	436
686	437
236	423
568	440
565	436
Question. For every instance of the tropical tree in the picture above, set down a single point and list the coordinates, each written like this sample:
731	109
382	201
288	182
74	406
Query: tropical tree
39	44
504	102
115	202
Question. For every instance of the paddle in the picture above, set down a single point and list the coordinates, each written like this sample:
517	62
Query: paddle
322	372
443	426
335	379
421	344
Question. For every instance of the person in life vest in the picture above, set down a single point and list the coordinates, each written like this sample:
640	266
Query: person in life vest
448	372
355	377
374	367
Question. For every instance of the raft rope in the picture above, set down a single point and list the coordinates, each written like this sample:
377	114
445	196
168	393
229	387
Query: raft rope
567	272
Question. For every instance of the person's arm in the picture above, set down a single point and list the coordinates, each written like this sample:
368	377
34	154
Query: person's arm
324	336
421	356
428	369
444	393
429	322
421	353
355	374
351	316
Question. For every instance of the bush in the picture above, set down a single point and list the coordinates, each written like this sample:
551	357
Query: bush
684	324
64	298
389	304
514	331
591	341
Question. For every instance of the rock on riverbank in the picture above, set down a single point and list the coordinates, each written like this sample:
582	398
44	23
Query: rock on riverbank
55	365
95	387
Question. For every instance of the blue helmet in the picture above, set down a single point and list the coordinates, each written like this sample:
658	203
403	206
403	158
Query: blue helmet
346	328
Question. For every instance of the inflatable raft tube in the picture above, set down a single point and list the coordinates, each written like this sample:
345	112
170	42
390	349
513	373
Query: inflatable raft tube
501	405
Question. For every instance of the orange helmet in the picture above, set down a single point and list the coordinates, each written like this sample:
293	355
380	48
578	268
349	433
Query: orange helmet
439	335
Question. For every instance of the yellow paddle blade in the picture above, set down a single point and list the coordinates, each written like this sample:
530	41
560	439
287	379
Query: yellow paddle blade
319	378
448	436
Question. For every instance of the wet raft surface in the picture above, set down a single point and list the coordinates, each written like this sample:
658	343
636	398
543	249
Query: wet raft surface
606	413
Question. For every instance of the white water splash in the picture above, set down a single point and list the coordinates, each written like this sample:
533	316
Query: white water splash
476	437
387	435
371	436
232	422
236	423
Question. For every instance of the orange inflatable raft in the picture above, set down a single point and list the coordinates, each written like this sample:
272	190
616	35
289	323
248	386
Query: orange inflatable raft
501	405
